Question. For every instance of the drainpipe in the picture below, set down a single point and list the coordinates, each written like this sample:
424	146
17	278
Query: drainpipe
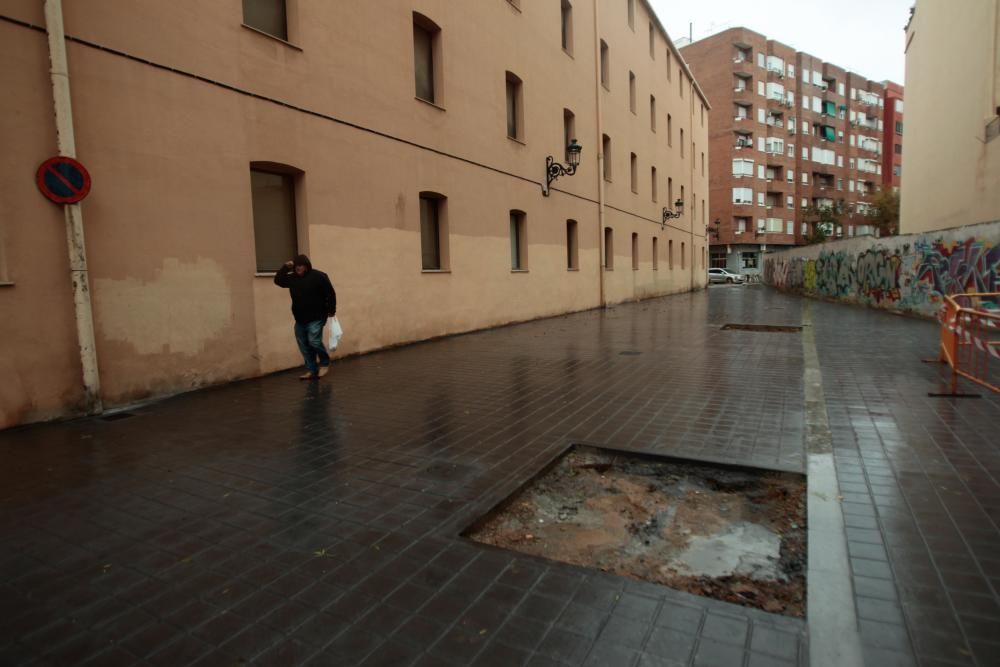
694	195
73	213
599	142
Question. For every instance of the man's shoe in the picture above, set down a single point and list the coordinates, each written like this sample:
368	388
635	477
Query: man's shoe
308	376
323	370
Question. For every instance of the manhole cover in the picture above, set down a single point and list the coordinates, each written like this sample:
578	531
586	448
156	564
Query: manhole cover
760	327
732	534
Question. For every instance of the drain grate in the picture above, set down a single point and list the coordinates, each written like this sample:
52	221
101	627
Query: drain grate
116	416
767	328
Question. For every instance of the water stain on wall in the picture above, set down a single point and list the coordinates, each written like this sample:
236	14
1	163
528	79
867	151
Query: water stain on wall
184	307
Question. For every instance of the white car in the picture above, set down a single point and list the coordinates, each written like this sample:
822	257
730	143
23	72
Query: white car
723	276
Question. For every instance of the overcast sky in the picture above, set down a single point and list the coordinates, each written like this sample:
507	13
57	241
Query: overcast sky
863	36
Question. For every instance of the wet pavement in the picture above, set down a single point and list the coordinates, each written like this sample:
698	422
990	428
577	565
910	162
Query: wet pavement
276	522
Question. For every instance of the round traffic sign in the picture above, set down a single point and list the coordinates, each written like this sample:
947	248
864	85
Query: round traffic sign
63	180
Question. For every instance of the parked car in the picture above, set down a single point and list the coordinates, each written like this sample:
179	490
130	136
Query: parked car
723	276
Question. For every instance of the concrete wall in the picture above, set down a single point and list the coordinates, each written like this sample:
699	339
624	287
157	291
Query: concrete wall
908	273
951	175
169	225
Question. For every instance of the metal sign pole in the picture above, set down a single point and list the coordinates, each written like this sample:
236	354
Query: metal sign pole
73	212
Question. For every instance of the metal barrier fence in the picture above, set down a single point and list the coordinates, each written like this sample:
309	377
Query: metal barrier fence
970	339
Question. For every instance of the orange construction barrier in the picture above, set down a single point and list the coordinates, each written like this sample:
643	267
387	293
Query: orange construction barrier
970	338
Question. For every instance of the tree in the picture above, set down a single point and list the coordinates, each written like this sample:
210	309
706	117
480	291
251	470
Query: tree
884	211
823	222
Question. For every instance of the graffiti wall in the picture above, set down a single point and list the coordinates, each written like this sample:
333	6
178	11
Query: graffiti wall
906	273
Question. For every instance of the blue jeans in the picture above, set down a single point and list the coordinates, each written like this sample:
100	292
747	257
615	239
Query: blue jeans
309	336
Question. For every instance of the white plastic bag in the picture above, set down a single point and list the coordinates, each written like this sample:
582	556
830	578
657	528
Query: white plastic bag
335	333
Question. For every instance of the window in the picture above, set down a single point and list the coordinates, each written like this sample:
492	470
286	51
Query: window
631	13
682	195
670	65
749	260
656	254
703	163
670	254
605	68
670	191
609	248
569	127
897	170
742	224
670	130
683	259
742	167
631	91
703	115
426	43
652	182
652	42
515	110
567	26
433	232
790	177
682	142
518	242
606	149
635	251
5	278
742	195
267	16
572	246
652	113
680	82
634	181
899	127
274	222
898	148
805	178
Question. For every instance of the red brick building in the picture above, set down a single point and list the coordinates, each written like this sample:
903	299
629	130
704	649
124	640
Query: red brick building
787	133
892	137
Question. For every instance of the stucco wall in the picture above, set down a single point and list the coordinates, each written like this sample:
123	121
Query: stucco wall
951	171
906	273
169	223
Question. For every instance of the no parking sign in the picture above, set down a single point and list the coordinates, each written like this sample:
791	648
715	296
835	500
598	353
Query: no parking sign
63	180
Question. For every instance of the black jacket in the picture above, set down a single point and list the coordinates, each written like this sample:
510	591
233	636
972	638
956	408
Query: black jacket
313	296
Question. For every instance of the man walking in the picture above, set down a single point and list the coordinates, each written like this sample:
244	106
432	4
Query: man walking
313	300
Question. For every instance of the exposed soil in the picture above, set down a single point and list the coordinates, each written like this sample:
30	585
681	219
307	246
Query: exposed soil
733	535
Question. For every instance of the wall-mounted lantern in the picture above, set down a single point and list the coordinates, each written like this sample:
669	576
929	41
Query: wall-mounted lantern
668	214
554	170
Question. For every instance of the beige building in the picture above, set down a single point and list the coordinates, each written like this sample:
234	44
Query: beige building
402	145
952	174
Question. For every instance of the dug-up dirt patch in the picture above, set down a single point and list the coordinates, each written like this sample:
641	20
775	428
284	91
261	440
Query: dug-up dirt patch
732	534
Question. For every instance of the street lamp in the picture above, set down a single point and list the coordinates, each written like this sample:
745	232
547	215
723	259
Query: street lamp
554	170
668	214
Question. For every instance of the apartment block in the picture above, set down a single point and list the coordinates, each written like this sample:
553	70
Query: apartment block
788	134
892	136
404	146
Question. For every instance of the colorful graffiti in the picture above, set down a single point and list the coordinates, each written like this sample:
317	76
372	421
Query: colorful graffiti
911	277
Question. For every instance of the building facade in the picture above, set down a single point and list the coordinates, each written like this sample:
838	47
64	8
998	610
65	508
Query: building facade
953	164
892	136
402	145
789	135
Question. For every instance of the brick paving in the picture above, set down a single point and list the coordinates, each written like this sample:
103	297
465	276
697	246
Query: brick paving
276	522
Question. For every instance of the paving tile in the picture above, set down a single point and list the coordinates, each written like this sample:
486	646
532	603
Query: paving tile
211	507
711	653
